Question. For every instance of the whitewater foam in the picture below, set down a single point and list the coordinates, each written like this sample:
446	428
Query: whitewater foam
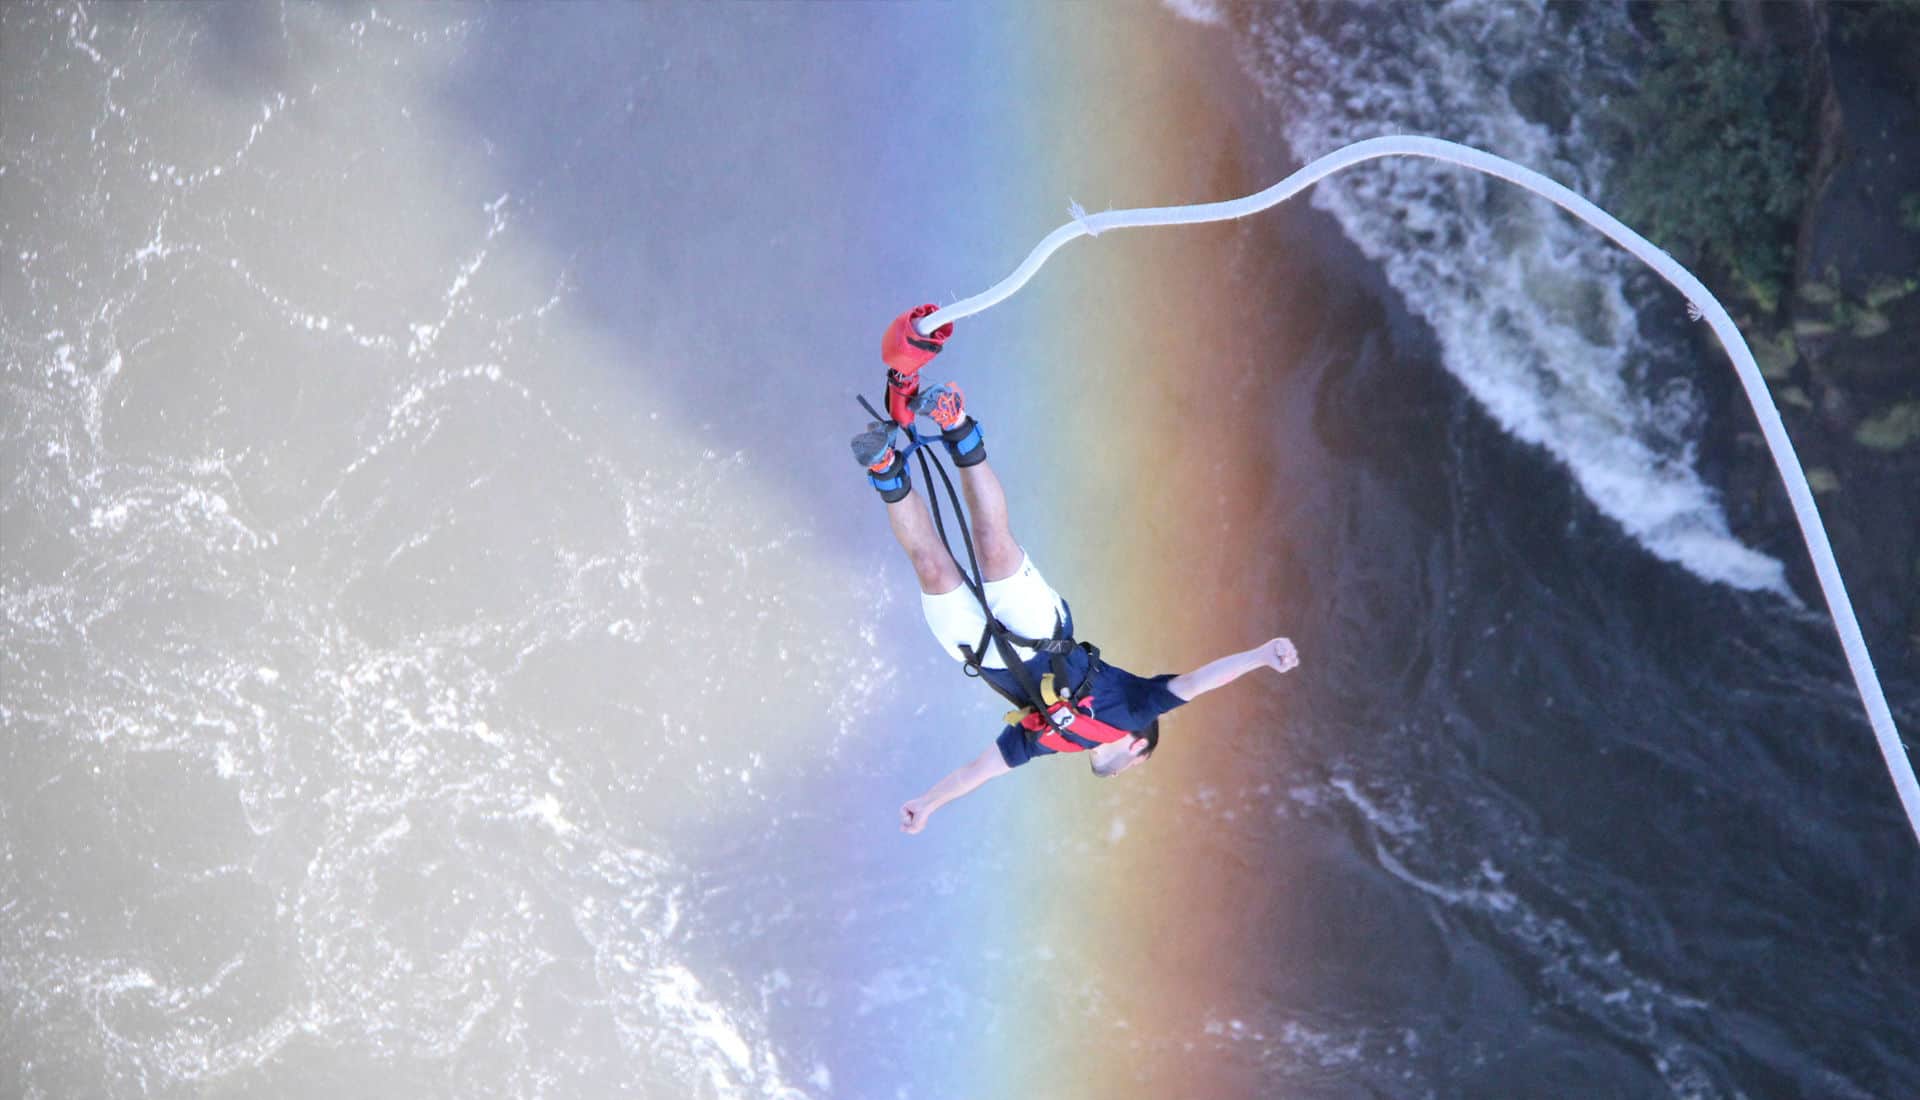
1529	307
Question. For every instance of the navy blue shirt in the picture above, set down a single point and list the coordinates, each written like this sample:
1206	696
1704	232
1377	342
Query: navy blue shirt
1120	699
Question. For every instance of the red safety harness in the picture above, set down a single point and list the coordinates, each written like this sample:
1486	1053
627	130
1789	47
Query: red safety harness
1055	715
1066	725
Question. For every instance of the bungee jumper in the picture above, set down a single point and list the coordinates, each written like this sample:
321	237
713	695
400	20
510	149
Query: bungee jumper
916	336
999	616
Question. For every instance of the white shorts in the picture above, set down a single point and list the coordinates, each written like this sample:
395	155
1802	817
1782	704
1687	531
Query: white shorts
1024	602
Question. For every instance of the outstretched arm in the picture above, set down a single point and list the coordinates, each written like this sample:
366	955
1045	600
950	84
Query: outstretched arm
1278	655
962	781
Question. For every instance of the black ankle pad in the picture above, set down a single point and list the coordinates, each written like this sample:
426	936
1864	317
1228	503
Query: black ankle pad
955	437
893	483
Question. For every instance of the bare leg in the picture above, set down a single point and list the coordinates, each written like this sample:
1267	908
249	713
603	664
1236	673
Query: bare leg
1000	555
932	561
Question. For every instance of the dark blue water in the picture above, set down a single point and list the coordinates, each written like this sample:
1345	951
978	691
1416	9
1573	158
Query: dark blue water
1577	821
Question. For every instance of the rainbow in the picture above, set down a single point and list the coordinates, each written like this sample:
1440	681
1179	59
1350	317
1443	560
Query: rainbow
1138	380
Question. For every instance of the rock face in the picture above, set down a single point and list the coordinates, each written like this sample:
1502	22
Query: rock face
1858	264
1843	356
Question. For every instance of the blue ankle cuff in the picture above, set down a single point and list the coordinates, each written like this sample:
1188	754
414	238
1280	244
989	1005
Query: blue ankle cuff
892	485
967	446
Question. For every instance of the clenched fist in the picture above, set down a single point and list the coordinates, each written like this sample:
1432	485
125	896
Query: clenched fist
1280	655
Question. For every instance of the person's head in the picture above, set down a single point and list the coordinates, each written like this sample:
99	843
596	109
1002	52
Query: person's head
1117	756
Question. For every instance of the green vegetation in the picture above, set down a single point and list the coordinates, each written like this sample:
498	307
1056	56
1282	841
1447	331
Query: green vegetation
1891	429
1826	309
1887	290
1910	213
1775	355
1712	165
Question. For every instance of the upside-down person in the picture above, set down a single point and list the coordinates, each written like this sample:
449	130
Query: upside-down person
1012	628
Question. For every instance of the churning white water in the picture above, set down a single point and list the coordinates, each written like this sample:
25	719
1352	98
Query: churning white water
1529	306
359	618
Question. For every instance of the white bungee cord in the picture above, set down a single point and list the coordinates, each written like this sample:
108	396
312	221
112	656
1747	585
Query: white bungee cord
1701	302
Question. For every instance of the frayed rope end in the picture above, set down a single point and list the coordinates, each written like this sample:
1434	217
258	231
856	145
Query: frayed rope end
1079	214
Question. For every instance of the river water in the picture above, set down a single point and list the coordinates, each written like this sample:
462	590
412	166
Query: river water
373	515
1623	823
